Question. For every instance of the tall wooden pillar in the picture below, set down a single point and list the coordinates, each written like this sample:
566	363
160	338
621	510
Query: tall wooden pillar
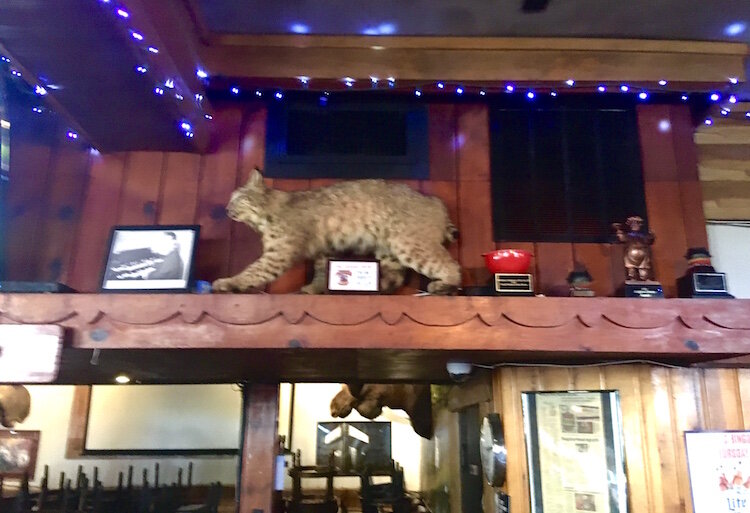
673	194
260	405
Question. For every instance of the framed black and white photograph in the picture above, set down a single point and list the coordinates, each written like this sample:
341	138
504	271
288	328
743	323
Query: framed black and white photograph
150	258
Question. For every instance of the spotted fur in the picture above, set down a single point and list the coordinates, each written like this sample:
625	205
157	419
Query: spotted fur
402	228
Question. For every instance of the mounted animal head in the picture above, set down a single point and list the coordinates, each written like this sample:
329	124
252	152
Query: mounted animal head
249	203
370	399
15	404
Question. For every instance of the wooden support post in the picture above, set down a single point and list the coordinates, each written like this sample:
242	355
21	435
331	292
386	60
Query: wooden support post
260	414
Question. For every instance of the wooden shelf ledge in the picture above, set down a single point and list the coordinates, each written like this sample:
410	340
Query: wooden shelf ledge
394	337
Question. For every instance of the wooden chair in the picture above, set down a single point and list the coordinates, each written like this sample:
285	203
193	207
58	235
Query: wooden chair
372	496
309	503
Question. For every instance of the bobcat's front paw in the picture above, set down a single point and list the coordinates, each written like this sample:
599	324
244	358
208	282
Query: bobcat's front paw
313	288
223	285
440	288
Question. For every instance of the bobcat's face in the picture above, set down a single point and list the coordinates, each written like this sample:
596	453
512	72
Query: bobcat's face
248	203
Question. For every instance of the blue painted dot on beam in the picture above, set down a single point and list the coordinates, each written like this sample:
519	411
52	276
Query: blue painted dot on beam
149	207
692	345
55	269
65	213
99	335
218	212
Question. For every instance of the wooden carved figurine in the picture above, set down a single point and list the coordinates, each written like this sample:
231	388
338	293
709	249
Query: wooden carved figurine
637	256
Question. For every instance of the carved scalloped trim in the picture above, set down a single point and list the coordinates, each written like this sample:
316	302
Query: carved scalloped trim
71	310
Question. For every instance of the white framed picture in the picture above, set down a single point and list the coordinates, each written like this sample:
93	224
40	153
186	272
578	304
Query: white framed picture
150	258
353	276
719	469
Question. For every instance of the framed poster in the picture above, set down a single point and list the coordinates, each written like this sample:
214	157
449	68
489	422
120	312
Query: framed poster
575	453
150	258
18	453
719	469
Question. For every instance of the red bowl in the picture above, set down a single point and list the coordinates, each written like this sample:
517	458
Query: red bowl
507	261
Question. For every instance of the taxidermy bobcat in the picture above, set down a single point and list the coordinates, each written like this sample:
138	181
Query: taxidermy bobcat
401	227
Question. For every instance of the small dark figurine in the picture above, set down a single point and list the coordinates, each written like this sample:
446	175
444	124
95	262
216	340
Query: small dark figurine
637	256
699	260
579	281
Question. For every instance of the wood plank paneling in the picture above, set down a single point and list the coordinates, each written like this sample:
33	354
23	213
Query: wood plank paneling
657	145
553	262
724	409
218	178
657	421
640	487
685	151
598	261
79	418
258	458
587	378
140	190
473	142
179	189
165	188
447	192
687	413
67	181
26	188
296	277
665	218
475	223
743	380
246	245
442	136
99	214
693	218
657	406
422	58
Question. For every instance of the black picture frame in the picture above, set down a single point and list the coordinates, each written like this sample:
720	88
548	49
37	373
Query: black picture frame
575	421
136	253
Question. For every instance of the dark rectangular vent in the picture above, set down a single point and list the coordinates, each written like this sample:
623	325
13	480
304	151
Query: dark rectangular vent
564	174
307	138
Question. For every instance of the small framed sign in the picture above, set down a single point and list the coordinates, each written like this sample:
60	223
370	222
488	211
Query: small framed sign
150	258
30	353
353	276
18	451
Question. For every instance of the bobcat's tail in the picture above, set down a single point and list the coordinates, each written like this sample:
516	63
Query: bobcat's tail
451	233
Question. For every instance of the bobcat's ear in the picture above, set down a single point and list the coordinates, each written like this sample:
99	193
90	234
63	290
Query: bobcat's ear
256	179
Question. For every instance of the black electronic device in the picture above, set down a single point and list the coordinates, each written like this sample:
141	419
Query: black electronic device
33	287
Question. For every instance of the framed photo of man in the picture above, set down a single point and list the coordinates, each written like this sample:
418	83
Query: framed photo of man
150	258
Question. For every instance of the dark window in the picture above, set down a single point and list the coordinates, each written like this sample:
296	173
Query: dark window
307	138
564	173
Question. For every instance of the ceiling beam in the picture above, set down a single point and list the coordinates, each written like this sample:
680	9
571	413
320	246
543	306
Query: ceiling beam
169	25
474	59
